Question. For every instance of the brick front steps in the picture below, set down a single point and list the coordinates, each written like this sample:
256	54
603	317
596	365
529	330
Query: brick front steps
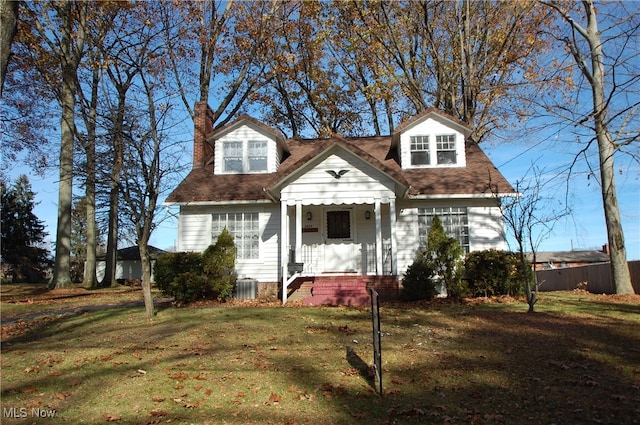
349	290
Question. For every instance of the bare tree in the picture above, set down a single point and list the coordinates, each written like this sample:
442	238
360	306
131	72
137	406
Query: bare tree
530	217
607	75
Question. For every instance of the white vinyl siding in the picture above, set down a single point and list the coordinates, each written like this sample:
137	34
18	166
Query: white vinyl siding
360	185
485	226
195	234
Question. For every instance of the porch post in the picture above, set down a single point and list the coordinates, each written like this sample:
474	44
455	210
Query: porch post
298	258
379	254
394	250
284	246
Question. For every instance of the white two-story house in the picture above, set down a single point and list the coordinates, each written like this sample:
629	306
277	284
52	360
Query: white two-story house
313	214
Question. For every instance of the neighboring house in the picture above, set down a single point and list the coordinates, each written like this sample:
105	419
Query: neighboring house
128	264
561	259
309	215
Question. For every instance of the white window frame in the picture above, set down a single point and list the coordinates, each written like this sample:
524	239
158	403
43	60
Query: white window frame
455	222
417	144
247	155
245	229
252	154
446	143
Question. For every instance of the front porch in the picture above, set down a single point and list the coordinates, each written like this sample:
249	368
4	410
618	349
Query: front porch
338	247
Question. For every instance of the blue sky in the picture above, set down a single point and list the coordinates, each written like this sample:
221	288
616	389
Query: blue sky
583	229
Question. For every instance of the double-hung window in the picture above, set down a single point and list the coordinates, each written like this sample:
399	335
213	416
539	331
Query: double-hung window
245	229
420	150
249	156
446	149
257	153
233	156
454	222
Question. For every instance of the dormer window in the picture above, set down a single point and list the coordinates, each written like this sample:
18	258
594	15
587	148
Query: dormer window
433	150
446	149
245	156
257	155
233	157
420	150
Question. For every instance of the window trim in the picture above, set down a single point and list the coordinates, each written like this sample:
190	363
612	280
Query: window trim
414	142
245	159
440	142
433	149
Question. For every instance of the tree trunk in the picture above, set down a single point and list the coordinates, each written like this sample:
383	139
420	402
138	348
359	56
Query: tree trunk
606	151
8	27
145	261
109	278
61	273
90	279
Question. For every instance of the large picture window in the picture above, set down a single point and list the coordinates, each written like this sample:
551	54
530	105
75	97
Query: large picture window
245	229
454	221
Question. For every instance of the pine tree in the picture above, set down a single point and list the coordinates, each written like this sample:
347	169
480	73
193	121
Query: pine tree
23	233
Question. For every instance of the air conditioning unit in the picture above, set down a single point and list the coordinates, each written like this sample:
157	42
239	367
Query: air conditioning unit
246	289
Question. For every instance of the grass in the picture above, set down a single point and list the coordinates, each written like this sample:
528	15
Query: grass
577	360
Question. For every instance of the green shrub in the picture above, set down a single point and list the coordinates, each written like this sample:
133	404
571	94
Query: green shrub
493	272
171	265
218	264
190	276
439	261
188	287
419	282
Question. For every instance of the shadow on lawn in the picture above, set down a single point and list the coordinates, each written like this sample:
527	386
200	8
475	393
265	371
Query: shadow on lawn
451	365
365	371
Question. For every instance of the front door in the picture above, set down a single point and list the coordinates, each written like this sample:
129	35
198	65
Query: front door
340	253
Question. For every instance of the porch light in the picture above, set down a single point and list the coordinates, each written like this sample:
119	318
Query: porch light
309	215
367	215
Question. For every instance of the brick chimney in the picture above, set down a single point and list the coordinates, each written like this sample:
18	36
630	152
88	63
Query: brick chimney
605	249
203	127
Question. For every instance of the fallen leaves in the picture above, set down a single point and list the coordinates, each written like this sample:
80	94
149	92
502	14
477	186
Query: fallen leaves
110	417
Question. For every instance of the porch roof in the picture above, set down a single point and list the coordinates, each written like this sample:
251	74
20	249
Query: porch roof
479	177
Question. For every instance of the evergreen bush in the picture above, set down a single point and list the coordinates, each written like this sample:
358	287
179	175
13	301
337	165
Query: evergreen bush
171	265
440	261
493	272
190	276
218	264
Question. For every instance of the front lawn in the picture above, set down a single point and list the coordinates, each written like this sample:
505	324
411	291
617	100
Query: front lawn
576	360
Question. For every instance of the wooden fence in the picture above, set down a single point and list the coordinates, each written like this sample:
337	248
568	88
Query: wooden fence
595	278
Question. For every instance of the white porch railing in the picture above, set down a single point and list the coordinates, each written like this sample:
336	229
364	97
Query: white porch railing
313	262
